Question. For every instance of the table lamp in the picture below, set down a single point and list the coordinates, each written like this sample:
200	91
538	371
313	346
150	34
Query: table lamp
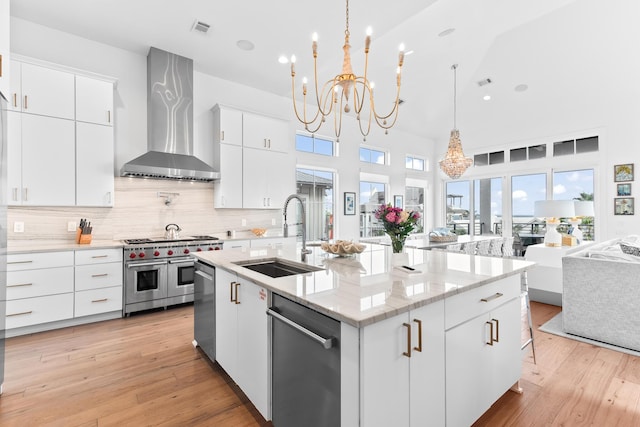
551	210
583	208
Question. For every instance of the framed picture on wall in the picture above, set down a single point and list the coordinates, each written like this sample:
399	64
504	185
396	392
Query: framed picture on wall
349	203
624	190
622	173
397	202
624	206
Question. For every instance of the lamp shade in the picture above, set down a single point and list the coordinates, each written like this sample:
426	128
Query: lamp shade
554	208
584	208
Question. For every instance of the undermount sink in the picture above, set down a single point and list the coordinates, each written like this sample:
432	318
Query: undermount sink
275	267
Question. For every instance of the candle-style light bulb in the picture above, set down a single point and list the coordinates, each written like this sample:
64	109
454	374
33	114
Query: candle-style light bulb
367	40
293	65
304	85
401	55
314	44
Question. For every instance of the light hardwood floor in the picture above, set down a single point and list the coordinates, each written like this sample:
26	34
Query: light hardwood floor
143	371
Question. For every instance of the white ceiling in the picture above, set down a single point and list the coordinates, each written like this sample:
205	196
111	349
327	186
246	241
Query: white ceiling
283	27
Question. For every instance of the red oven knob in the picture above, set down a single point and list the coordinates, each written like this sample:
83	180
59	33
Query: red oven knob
132	255
210	248
169	252
186	251
217	248
141	254
156	253
199	250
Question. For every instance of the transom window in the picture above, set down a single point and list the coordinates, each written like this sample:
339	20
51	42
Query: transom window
313	144
369	155
414	163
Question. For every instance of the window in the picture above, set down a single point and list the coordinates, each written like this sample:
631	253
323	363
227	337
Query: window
576	185
487	202
525	191
496	157
372	195
414	163
313	144
458	206
315	187
586	145
414	202
563	148
369	155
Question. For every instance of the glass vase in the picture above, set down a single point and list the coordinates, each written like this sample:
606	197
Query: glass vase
397	243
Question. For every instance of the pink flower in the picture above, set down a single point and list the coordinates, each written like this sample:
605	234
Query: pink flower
391	216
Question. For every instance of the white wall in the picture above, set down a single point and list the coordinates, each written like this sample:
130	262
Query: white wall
129	69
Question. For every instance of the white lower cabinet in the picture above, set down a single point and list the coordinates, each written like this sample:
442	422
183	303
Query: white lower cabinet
483	351
242	336
403	369
95	301
98	281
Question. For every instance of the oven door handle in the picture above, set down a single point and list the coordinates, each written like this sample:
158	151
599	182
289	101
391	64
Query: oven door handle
181	260
145	264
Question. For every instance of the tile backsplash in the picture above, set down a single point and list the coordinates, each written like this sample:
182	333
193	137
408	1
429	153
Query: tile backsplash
140	212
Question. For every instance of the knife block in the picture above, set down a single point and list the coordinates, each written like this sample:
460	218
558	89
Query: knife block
82	239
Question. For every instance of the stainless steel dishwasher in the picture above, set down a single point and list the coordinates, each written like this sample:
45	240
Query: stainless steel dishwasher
305	366
204	308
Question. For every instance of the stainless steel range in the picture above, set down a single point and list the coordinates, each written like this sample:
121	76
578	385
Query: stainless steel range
160	272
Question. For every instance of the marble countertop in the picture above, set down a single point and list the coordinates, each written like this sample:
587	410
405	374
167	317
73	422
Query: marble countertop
30	246
365	288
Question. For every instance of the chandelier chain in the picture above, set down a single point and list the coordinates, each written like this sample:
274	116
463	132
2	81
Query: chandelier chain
455	93
346	31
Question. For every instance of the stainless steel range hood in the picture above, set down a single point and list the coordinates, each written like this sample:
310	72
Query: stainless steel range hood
169	122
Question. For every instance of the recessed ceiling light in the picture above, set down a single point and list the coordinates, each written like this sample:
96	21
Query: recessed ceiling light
487	97
446	32
245	44
521	88
283	59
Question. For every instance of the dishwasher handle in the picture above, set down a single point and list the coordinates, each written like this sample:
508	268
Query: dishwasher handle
327	343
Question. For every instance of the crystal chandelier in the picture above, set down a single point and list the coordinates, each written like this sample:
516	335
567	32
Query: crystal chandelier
455	163
335	93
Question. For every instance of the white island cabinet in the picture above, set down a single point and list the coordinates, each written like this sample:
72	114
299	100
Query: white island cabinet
434	348
403	369
241	336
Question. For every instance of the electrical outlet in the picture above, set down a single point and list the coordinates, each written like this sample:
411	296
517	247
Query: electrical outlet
71	226
273	221
18	227
244	222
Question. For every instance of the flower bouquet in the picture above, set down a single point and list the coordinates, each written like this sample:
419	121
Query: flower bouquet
397	224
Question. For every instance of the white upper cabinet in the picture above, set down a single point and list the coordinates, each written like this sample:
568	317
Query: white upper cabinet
265	132
43	91
5	34
227	191
94	101
228	125
94	165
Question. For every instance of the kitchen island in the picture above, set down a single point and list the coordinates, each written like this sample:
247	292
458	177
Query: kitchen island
435	347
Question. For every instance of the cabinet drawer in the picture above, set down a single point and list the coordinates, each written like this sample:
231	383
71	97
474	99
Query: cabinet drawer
96	301
16	262
98	256
98	276
467	305
36	283
33	311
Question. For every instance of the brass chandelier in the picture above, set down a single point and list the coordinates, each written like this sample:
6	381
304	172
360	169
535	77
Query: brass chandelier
334	97
455	163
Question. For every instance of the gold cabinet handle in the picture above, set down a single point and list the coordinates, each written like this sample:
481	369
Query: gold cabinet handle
20	314
222	135
20	262
497	330
15	194
100	275
419	347
100	300
408	352
25	102
15	100
19	284
490	332
237	299
492	297
100	256
108	116
231	291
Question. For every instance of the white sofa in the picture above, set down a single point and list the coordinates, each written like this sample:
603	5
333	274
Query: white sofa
601	293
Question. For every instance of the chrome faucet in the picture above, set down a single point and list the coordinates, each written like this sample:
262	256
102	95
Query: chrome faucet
304	251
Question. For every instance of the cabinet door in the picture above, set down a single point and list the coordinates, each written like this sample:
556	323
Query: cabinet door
253	353
507	354
427	367
94	165
48	161
226	321
14	157
94	101
281	180
265	133
385	373
228	125
227	190
47	92
256	174
15	98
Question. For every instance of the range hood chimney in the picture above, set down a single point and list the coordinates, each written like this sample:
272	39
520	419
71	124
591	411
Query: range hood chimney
169	122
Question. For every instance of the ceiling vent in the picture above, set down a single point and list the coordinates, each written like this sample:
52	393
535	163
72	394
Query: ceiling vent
484	82
201	27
